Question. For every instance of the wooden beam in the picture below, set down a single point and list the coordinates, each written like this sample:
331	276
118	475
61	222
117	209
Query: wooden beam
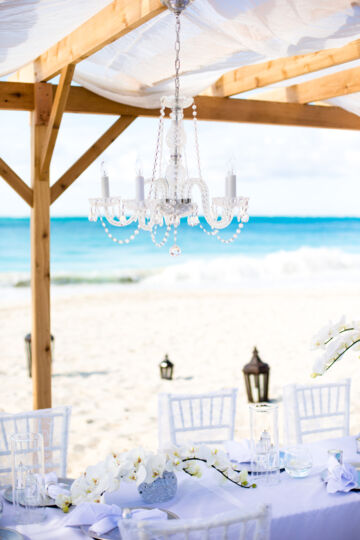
56	114
228	110
89	156
259	75
336	84
81	100
16	183
40	257
111	23
16	96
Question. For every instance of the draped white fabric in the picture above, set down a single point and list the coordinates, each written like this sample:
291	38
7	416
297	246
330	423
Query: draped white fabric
30	27
217	36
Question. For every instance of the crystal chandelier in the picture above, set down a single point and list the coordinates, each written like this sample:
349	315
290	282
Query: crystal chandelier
163	200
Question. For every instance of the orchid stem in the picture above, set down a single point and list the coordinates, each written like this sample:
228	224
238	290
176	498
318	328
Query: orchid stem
218	470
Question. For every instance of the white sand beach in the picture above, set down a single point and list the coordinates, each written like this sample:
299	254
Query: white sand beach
108	344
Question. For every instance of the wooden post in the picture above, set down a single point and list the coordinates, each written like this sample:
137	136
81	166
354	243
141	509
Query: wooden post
40	252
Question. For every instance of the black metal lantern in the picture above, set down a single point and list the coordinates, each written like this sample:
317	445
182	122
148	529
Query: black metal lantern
28	351
256	374
166	368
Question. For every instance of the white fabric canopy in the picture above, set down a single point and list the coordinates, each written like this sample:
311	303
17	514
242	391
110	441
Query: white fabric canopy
217	36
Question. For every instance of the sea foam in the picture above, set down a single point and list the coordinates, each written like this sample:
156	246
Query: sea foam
308	265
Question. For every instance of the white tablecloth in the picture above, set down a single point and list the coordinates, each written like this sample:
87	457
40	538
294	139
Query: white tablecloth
301	508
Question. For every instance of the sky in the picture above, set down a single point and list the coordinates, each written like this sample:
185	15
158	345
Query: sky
284	170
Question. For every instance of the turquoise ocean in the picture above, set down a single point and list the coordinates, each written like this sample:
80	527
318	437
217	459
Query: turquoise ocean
269	251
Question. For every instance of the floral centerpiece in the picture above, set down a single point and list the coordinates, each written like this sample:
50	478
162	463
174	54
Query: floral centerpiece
335	340
142	467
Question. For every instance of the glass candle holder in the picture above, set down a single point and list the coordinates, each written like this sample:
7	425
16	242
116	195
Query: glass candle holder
27	455
297	461
357	441
264	432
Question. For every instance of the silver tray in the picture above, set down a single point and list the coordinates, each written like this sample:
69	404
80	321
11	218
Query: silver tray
356	464
47	501
114	534
10	534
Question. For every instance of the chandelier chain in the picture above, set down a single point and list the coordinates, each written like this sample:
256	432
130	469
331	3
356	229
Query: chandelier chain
177	108
177	57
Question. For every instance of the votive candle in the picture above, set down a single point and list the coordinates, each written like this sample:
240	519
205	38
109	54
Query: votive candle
139	188
105	188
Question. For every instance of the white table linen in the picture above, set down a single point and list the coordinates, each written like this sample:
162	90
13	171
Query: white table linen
301	508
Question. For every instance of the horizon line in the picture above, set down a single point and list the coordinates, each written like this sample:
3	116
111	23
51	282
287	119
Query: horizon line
303	216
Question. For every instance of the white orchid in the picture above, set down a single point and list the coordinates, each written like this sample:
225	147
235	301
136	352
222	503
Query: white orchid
174	460
155	467
328	332
141	466
82	491
193	468
63	501
336	339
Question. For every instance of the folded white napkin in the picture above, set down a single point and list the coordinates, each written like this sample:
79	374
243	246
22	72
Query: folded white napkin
341	477
51	486
238	450
102	518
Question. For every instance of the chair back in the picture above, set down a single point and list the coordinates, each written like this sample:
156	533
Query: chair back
237	525
316	411
53	424
199	419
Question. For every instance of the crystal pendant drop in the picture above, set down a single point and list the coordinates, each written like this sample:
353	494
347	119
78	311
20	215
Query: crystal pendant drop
174	250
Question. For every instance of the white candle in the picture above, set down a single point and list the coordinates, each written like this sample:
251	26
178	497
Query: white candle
139	188
105	188
230	185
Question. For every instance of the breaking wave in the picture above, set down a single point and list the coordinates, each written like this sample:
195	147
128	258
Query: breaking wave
314	264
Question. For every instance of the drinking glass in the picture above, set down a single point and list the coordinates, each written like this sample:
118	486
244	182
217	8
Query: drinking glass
264	443
27	455
297	461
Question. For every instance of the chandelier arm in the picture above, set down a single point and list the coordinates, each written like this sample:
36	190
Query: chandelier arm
117	223
210	216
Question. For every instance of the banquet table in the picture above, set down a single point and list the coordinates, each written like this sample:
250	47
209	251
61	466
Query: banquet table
301	508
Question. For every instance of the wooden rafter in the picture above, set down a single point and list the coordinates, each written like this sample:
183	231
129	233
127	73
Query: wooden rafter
111	23
56	114
89	156
340	83
227	110
16	182
259	75
20	96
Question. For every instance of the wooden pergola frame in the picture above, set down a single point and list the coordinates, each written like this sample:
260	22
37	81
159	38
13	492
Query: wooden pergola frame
28	90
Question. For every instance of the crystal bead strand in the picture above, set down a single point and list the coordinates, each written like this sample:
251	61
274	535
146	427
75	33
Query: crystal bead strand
232	238
197	148
209	233
216	234
114	239
158	146
165	238
175	250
